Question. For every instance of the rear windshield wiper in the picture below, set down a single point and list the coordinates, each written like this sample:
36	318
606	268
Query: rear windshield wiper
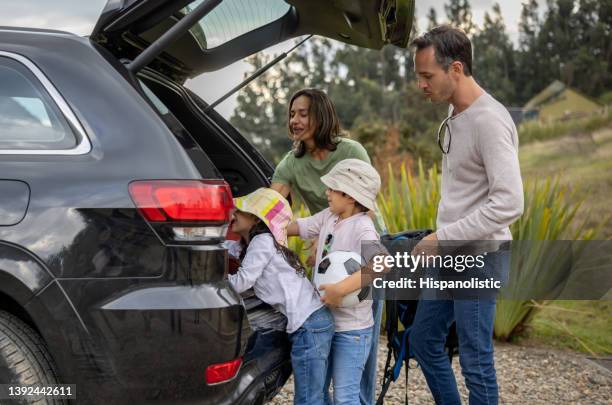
255	75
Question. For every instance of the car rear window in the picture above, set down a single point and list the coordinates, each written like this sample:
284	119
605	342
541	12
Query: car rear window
232	18
29	118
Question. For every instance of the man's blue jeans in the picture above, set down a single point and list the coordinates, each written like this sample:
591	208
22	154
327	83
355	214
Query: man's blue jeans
311	345
474	321
349	354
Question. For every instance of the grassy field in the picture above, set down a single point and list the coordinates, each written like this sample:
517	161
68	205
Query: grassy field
584	326
584	163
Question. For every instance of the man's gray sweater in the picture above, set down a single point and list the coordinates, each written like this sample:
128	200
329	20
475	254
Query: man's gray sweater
482	190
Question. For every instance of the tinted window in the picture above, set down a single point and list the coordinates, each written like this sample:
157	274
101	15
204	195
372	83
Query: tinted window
29	118
232	18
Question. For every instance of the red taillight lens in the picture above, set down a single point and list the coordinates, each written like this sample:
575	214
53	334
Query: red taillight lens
183	200
218	373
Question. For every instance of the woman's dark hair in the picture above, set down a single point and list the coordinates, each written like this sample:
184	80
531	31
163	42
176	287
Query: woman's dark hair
322	114
289	255
450	44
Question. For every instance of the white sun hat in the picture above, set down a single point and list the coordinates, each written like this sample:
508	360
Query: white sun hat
355	178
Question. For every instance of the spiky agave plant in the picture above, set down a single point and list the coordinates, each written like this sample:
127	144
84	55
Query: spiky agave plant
408	202
539	267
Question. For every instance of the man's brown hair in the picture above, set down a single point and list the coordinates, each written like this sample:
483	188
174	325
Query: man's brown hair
450	44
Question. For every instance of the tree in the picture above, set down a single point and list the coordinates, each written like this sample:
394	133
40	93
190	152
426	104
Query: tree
527	55
528	25
593	23
432	18
494	64
459	14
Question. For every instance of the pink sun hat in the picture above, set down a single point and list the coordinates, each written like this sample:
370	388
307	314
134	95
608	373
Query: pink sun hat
271	207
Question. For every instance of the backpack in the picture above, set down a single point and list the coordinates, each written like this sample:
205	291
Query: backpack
402	312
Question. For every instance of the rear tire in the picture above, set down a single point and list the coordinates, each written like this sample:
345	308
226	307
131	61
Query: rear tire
24	358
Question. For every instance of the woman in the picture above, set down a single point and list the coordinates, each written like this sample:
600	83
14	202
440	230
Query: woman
318	145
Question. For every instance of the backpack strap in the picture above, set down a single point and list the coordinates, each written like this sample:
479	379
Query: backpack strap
391	329
387	377
406	382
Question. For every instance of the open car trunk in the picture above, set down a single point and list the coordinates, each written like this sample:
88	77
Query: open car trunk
230	30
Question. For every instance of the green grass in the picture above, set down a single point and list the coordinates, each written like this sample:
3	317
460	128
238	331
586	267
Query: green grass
531	131
584	326
583	164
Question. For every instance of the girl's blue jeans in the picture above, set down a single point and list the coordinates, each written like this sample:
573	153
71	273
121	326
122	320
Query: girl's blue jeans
310	350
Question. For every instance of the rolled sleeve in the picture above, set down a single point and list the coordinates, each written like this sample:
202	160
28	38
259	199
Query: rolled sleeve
310	227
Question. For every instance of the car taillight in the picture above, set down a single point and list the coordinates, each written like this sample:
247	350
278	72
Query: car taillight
185	210
221	372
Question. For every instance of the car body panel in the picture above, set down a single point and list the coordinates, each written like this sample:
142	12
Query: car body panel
21	274
14	199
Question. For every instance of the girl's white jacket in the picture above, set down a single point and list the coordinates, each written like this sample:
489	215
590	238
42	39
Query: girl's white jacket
274	281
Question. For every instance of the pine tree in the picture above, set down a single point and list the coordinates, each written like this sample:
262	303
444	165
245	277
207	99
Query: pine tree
594	48
494	65
528	55
459	14
528	25
432	18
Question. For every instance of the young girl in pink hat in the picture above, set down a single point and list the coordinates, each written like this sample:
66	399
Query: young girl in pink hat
277	277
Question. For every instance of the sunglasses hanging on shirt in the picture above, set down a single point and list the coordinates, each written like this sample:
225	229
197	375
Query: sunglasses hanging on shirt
327	246
442	139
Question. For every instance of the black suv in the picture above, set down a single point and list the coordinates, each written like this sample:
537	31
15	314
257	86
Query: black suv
115	190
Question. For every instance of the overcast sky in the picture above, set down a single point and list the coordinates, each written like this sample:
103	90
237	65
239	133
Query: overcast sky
79	17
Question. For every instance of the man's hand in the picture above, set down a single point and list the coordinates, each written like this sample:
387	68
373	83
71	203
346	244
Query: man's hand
333	294
428	245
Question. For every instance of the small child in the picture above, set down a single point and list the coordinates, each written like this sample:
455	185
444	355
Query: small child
277	277
352	186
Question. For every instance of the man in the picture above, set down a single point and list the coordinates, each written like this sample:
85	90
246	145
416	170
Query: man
482	194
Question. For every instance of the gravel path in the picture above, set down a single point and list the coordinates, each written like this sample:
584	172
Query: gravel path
525	375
